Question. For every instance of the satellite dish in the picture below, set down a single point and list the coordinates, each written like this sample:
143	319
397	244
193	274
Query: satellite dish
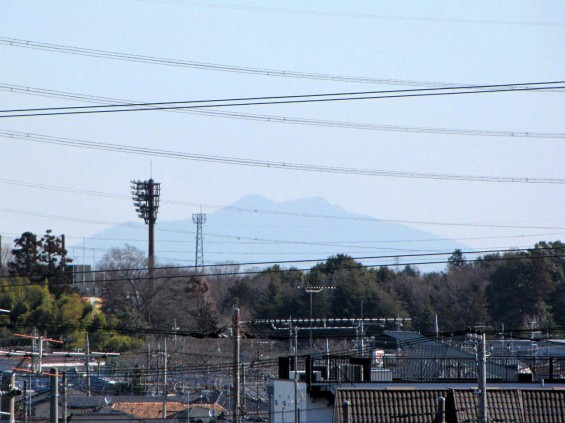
108	399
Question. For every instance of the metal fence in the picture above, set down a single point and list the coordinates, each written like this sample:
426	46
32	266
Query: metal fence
422	369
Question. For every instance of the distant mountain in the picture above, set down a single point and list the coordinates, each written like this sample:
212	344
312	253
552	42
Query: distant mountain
255	230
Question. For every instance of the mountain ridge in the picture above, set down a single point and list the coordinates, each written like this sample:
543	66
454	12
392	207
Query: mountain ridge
256	229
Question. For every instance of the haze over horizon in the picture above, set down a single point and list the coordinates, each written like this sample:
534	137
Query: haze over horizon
257	230
483	170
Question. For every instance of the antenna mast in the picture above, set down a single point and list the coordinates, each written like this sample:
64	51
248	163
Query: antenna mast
199	219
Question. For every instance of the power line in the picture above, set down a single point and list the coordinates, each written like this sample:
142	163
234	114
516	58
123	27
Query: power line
278	100
247	210
515	86
493	257
247	240
13	42
271	164
255	240
352	15
289	120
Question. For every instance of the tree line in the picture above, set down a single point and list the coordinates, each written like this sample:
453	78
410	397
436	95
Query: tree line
514	289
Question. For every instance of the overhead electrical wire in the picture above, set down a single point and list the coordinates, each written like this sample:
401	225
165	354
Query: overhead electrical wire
492	257
239	238
18	89
321	260
351	14
278	100
245	210
347	95
363	266
14	42
270	164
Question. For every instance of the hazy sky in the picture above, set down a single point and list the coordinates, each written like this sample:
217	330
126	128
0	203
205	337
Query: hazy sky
479	42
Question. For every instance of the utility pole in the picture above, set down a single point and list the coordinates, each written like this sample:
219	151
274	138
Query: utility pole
87	364
482	413
65	405
296	410
165	393
236	366
54	406
7	403
24	408
313	289
360	334
145	195
199	219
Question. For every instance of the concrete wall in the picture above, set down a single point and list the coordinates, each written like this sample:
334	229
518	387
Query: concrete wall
281	404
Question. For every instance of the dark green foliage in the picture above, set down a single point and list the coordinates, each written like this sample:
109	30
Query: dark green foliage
515	289
42	260
241	294
67	317
456	261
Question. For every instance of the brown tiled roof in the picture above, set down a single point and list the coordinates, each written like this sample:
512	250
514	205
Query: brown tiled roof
388	406
148	410
542	406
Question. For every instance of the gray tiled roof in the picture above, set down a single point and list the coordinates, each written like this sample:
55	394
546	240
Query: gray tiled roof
380	406
503	405
542	407
420	406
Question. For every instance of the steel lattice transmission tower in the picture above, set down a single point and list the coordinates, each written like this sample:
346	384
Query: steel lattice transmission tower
145	196
199	219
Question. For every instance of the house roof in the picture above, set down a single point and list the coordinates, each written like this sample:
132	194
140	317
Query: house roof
386	406
503	405
184	414
543	407
419	406
147	410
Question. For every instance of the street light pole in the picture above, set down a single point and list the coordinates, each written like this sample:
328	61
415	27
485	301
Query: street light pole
313	289
311	292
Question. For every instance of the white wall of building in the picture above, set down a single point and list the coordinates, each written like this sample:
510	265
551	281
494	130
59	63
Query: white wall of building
281	404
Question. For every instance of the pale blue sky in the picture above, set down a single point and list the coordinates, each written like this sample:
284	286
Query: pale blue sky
480	42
